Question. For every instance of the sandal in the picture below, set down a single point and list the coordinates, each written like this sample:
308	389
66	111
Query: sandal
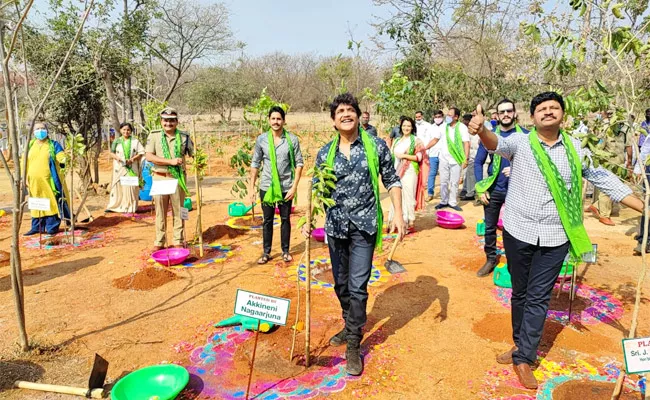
286	257
264	259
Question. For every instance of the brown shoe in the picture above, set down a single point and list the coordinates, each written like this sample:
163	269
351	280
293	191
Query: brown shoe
594	210
525	375
506	358
429	198
606	221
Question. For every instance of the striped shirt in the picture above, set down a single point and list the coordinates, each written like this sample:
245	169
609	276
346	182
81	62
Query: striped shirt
530	213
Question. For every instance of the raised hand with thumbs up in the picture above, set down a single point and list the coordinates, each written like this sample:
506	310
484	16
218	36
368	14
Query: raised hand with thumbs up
476	126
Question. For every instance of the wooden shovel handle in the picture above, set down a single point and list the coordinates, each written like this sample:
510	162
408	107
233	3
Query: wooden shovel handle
392	250
94	393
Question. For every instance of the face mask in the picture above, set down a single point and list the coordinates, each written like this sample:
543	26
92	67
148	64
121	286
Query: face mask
40	134
448	119
418	122
493	123
438	120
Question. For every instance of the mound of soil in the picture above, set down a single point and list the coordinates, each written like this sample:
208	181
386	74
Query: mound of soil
562	304
65	239
220	231
588	390
322	272
145	279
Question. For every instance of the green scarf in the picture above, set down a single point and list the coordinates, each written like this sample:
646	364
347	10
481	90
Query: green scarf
456	148
126	149
411	152
372	157
274	194
52	157
482	186
175	170
568	202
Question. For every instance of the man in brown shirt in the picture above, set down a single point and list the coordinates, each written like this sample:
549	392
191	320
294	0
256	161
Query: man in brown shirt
168	160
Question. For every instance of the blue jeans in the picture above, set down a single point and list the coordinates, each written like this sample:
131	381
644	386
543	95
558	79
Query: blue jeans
433	171
351	264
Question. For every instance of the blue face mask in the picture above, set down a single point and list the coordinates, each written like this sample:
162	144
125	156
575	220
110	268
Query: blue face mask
494	123
448	119
40	134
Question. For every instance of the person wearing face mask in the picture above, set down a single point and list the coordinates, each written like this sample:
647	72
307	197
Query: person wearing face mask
454	154
468	193
412	166
493	188
166	150
278	153
126	153
45	180
433	150
365	122
645	124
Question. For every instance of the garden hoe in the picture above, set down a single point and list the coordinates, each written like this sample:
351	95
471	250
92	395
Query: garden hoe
391	265
95	388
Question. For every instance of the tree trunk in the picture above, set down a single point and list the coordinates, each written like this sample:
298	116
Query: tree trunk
98	147
110	95
173	87
15	260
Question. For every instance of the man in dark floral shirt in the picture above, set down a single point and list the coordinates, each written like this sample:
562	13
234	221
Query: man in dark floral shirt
352	223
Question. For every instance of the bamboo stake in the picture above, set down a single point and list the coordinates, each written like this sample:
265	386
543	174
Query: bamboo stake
639	288
308	280
74	142
199	225
250	374
295	325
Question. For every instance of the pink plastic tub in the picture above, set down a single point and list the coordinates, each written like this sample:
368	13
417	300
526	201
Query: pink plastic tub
319	234
500	224
449	216
175	256
449	224
277	210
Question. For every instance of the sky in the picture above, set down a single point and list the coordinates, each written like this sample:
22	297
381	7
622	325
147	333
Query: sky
302	26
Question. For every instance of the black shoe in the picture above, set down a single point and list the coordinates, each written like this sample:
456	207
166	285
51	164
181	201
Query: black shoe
486	269
457	208
30	233
354	363
339	339
467	198
441	206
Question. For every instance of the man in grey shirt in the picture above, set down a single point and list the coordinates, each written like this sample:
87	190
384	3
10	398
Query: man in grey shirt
534	235
278	152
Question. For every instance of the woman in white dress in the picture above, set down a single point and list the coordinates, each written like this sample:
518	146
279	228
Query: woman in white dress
126	153
412	166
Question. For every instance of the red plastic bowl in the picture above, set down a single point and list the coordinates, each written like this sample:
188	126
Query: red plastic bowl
170	256
449	224
449	216
277	210
319	234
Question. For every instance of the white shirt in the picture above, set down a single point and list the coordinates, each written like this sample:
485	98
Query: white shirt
474	141
435	132
442	135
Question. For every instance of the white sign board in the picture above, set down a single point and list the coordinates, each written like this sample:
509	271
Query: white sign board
185	214
129	181
266	308
38	204
637	355
163	187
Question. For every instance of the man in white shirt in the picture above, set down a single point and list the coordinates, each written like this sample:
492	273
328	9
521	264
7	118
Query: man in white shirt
433	149
454	153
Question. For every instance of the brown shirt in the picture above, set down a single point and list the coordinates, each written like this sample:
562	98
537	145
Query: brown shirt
617	144
154	145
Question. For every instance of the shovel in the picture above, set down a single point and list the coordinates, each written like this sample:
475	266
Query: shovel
95	388
391	265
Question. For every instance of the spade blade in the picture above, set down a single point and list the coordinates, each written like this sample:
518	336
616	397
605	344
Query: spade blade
394	267
98	373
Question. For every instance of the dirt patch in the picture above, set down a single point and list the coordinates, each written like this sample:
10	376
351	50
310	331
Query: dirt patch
588	390
108	221
494	327
221	231
65	239
257	221
145	279
322	272
562	303
4	258
18	370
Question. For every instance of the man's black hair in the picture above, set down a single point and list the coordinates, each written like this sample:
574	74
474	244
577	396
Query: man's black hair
456	111
277	109
543	97
347	99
